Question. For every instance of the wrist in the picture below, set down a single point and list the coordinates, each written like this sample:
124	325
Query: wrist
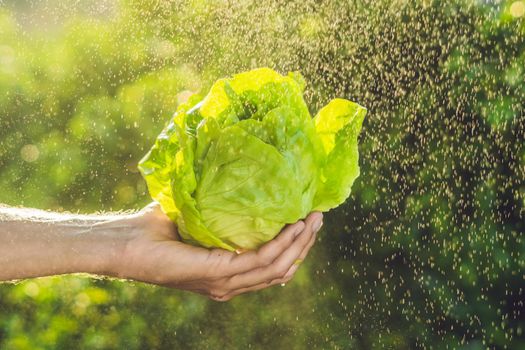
101	248
118	246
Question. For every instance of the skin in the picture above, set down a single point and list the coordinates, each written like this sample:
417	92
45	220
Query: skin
144	246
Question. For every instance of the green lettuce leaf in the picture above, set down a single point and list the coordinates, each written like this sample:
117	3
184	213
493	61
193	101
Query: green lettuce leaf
338	125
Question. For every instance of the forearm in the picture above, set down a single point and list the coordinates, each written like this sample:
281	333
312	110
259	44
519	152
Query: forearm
144	246
35	243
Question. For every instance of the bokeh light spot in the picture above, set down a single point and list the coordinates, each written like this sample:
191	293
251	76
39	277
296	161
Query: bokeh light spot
29	153
517	9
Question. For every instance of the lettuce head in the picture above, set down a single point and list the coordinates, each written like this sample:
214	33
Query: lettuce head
233	167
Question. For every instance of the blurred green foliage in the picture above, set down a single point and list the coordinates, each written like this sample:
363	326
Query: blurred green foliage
427	253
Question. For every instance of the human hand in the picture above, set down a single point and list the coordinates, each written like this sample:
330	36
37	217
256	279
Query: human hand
153	253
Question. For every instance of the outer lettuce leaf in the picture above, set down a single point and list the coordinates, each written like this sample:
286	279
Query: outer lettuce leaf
168	170
338	125
233	169
236	200
159	163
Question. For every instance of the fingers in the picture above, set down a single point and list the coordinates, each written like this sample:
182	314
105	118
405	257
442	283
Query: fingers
251	289
282	264
271	264
301	257
289	275
266	254
287	278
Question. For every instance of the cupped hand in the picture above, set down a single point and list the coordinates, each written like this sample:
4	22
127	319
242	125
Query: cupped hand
155	254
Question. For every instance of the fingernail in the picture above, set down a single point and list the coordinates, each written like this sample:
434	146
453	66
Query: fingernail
291	271
317	225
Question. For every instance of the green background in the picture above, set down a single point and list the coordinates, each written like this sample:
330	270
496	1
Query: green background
428	252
